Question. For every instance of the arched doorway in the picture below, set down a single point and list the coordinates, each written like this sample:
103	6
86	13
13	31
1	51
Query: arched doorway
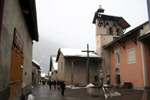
117	76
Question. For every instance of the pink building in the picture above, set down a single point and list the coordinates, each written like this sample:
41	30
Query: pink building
130	58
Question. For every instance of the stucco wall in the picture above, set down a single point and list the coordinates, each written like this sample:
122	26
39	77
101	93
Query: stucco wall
61	70
54	75
105	30
102	38
147	55
79	71
145	29
128	72
36	74
13	18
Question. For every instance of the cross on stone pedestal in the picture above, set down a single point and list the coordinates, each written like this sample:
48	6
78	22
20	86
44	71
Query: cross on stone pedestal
87	61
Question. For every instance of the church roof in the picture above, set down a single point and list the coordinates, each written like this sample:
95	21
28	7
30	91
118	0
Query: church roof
127	35
75	53
118	19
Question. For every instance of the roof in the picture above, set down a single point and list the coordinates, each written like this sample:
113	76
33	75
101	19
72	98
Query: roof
29	11
145	38
131	32
36	63
75	53
118	19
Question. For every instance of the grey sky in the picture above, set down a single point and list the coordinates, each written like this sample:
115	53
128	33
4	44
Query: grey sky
69	22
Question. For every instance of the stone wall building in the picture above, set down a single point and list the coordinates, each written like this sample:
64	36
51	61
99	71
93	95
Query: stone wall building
53	67
36	73
18	29
72	66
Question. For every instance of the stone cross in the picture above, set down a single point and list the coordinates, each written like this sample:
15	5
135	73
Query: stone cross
87	62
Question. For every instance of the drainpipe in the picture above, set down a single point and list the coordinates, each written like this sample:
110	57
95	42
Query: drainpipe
148	8
143	63
72	63
1	14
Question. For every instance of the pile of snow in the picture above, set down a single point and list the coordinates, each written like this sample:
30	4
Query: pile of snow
30	97
69	86
72	86
89	85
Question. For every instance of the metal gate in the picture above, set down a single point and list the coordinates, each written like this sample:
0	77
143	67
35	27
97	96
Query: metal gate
16	73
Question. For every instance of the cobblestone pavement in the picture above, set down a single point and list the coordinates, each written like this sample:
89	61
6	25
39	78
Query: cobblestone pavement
43	92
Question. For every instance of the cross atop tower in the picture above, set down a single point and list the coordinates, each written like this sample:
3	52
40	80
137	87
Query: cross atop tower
100	10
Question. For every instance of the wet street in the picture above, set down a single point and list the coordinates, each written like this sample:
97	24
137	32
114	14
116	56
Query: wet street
43	92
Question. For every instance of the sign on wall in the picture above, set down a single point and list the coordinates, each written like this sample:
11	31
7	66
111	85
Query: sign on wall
131	53
18	40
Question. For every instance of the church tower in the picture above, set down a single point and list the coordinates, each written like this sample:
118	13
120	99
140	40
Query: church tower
108	28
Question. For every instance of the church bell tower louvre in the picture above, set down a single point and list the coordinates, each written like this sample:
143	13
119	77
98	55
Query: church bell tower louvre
108	28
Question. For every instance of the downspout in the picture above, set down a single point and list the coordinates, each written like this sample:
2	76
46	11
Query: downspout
1	14
148	8
72	63
143	62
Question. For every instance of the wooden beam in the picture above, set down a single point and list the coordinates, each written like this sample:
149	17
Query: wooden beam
112	49
122	44
134	39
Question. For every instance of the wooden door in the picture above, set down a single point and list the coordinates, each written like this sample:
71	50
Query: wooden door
16	74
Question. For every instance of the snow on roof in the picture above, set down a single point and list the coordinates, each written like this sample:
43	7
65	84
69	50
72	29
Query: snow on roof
35	62
77	52
55	64
148	32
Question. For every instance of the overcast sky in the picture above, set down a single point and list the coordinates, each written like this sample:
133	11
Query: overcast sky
69	22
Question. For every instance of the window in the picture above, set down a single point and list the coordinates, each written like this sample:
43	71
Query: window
110	31
100	24
118	32
96	78
61	65
117	55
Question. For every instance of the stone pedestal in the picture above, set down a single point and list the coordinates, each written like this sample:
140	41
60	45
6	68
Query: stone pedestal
95	91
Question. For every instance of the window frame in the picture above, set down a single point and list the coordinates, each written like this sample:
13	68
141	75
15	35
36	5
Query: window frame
117	56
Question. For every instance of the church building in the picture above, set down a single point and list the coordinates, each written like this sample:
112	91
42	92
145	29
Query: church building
108	28
125	56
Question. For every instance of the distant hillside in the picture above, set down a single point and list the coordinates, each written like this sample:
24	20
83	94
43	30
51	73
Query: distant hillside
42	51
